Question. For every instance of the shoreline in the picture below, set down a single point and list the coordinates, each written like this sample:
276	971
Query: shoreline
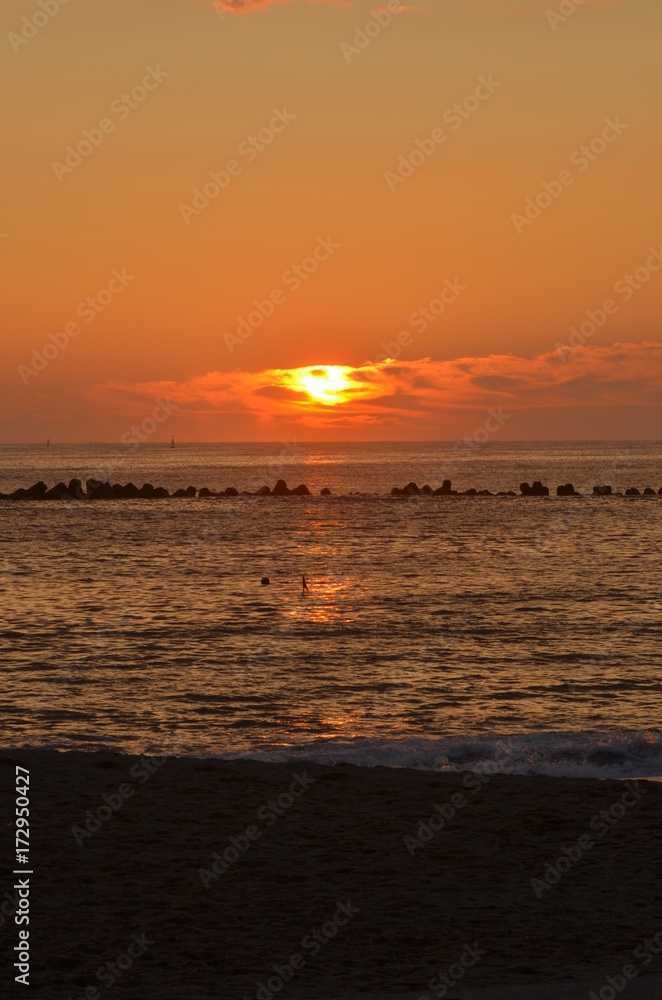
294	756
377	878
644	988
617	754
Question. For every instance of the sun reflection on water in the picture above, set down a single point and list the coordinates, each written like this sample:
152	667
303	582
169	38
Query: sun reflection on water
329	599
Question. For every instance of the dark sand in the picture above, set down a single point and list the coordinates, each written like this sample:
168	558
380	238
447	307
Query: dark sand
340	841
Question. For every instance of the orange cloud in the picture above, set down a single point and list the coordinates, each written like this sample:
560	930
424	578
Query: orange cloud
493	6
524	7
244	6
408	393
248	6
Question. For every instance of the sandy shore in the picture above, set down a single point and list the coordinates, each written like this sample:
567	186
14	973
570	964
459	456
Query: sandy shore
644	988
181	879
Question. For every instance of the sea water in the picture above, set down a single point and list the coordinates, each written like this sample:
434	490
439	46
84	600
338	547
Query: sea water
438	632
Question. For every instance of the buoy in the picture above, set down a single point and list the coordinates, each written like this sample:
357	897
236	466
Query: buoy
265	581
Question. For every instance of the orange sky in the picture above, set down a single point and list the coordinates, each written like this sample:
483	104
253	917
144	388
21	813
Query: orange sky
273	186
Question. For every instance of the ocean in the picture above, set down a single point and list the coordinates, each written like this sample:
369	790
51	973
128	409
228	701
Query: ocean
445	633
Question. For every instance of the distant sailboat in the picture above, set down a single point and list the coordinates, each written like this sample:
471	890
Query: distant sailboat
172	441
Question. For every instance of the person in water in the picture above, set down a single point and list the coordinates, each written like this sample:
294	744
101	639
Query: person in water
304	585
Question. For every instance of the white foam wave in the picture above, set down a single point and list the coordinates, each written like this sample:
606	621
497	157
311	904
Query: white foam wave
618	754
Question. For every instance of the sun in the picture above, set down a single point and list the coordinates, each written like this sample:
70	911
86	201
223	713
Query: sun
319	387
326	384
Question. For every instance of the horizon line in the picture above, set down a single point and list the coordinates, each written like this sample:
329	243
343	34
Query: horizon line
373	441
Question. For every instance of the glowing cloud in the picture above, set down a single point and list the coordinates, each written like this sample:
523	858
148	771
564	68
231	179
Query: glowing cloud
491	6
248	6
330	385
411	393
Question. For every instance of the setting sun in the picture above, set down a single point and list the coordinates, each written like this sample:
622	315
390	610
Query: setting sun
326	384
329	385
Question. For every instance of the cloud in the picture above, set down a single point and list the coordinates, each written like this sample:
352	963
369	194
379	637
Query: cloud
508	7
243	6
407	394
248	6
526	8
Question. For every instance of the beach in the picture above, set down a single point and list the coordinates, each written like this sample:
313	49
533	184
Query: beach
174	878
331	501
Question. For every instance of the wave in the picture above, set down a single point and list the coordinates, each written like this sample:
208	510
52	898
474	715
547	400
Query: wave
617	754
